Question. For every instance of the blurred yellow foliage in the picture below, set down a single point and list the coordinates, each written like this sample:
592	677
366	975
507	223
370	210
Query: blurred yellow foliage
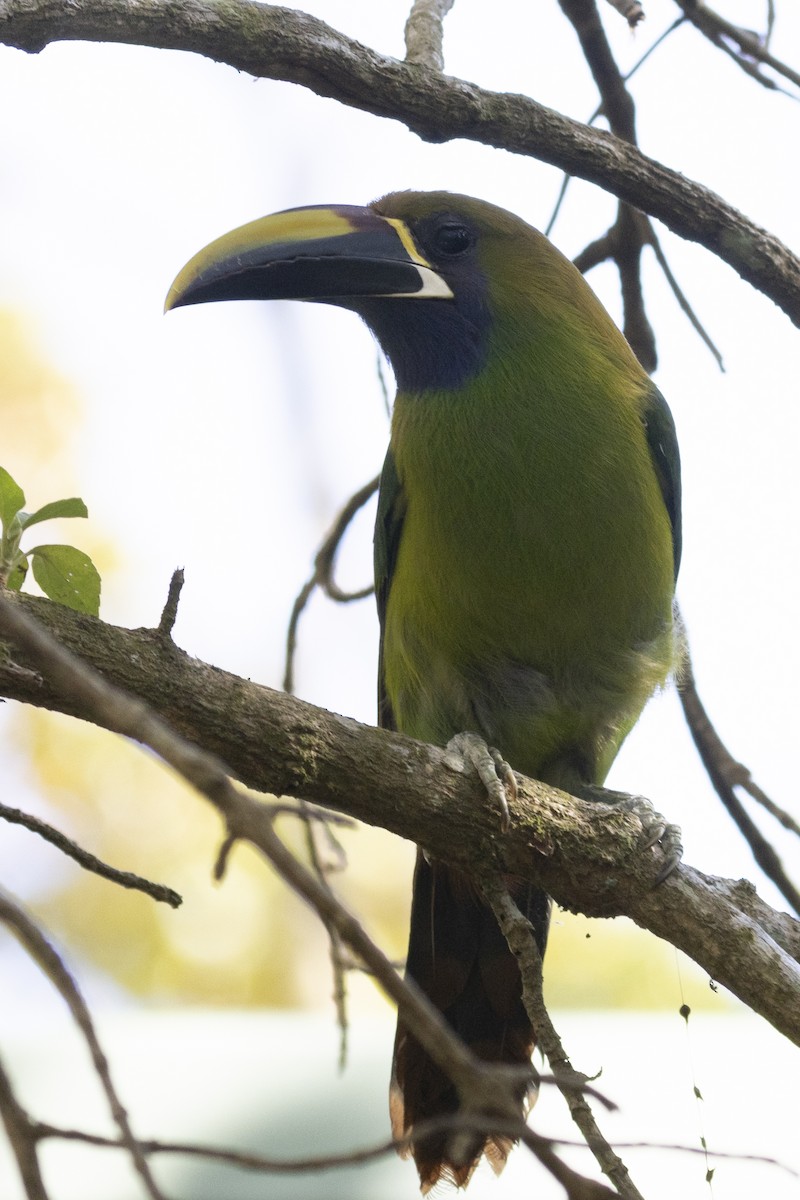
239	942
39	411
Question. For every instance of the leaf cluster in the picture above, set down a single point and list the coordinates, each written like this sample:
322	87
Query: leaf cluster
64	573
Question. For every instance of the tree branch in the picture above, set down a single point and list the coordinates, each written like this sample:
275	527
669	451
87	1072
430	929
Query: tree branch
583	854
89	861
486	1091
280	43
751	48
519	934
40	950
21	1133
726	774
323	577
424	34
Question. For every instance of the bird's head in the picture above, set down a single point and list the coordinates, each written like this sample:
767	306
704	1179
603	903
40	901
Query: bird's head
432	273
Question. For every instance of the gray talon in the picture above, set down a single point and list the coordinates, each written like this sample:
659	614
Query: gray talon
655	830
494	772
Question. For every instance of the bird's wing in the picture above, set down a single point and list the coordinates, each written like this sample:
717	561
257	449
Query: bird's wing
388	531
663	444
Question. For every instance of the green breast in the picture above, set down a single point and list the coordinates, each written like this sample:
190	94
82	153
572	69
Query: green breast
533	582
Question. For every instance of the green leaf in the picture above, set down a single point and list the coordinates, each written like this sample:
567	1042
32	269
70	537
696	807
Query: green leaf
68	576
73	507
16	576
12	498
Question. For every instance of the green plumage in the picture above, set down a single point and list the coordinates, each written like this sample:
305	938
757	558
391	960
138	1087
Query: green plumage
526	546
524	550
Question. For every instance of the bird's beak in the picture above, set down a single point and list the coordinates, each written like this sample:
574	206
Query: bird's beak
337	253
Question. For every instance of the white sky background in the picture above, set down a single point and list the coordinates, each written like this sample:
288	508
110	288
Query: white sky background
224	438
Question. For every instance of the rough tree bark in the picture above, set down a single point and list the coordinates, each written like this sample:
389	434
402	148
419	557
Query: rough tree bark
585	855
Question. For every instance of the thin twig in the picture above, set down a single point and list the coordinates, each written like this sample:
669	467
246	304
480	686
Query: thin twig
323	575
21	1132
631	10
336	949
599	111
721	32
783	817
322	1162
582	1187
770	23
629	233
170	610
624	241
681	297
90	862
41	951
311	812
424	34
608	247
518	932
726	774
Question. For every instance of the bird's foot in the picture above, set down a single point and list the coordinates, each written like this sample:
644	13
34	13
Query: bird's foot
495	773
656	831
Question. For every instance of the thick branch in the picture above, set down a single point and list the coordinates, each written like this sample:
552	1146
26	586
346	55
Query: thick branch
279	744
279	43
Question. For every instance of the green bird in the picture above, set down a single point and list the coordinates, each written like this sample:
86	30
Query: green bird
526	549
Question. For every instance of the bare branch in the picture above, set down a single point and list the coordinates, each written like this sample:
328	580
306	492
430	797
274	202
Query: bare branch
21	1132
726	774
631	10
518	932
46	957
245	1160
682	299
337	949
279	43
310	812
584	855
617	105
752	48
581	1187
632	230
170	611
88	861
424	34
323	574
598	111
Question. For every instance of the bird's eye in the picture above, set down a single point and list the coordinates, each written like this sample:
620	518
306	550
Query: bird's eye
451	239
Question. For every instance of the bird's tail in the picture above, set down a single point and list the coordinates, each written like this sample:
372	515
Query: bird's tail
460	959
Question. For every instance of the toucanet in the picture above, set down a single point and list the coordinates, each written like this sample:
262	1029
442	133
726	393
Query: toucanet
526	548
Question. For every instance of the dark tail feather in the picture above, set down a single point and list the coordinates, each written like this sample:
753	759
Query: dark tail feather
460	959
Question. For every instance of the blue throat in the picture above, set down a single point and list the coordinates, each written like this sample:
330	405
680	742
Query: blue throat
431	344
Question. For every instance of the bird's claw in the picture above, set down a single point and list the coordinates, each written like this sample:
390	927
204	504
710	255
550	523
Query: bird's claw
655	830
494	772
